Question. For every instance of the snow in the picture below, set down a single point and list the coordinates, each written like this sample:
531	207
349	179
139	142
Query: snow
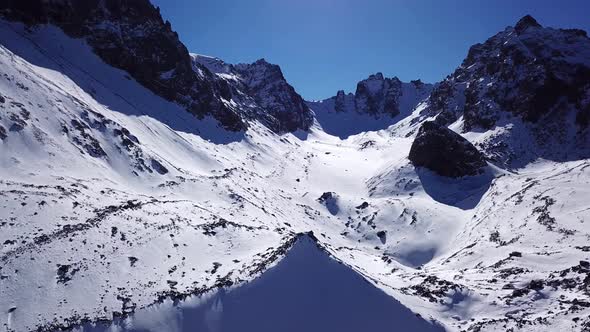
303	292
215	65
84	237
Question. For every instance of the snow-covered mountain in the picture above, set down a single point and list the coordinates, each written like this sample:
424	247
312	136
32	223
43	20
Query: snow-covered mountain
132	36
260	90
377	103
117	205
525	92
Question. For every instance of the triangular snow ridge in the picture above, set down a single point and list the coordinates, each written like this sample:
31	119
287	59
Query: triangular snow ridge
306	291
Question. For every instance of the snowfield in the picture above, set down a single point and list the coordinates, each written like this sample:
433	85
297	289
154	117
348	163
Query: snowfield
113	199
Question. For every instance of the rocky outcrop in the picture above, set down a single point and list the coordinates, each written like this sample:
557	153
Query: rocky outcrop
283	108
340	101
330	200
378	95
445	152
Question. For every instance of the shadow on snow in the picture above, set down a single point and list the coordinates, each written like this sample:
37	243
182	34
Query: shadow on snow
306	291
464	193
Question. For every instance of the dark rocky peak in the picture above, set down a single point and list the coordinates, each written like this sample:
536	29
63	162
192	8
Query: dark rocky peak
213	64
526	22
418	83
539	77
259	72
377	76
529	74
279	106
263	62
340	101
261	92
445	152
378	95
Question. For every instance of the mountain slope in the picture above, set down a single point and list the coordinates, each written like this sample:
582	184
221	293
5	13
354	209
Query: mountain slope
132	36
114	198
101	228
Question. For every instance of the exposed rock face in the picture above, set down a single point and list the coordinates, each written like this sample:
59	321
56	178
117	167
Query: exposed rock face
340	101
327	196
527	70
267	85
262	92
526	22
131	35
445	152
378	95
330	200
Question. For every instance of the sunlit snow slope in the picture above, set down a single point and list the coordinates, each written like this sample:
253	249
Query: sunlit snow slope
113	199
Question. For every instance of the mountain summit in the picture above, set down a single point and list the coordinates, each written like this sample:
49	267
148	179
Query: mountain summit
526	22
262	93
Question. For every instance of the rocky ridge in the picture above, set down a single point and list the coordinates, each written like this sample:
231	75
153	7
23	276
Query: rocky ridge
132	36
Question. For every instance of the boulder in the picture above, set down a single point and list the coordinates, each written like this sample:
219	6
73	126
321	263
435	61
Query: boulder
445	152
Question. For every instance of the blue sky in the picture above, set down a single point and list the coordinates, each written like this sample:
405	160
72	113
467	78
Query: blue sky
326	45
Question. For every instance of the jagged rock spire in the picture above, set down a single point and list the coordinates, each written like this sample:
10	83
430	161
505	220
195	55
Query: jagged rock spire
526	22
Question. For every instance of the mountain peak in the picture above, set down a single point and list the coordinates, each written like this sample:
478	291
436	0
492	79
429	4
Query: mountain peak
526	22
262	61
376	76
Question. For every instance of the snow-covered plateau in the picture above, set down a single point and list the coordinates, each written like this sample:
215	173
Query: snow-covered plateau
121	210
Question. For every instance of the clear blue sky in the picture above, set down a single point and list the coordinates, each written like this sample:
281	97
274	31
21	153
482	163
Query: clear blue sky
326	45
